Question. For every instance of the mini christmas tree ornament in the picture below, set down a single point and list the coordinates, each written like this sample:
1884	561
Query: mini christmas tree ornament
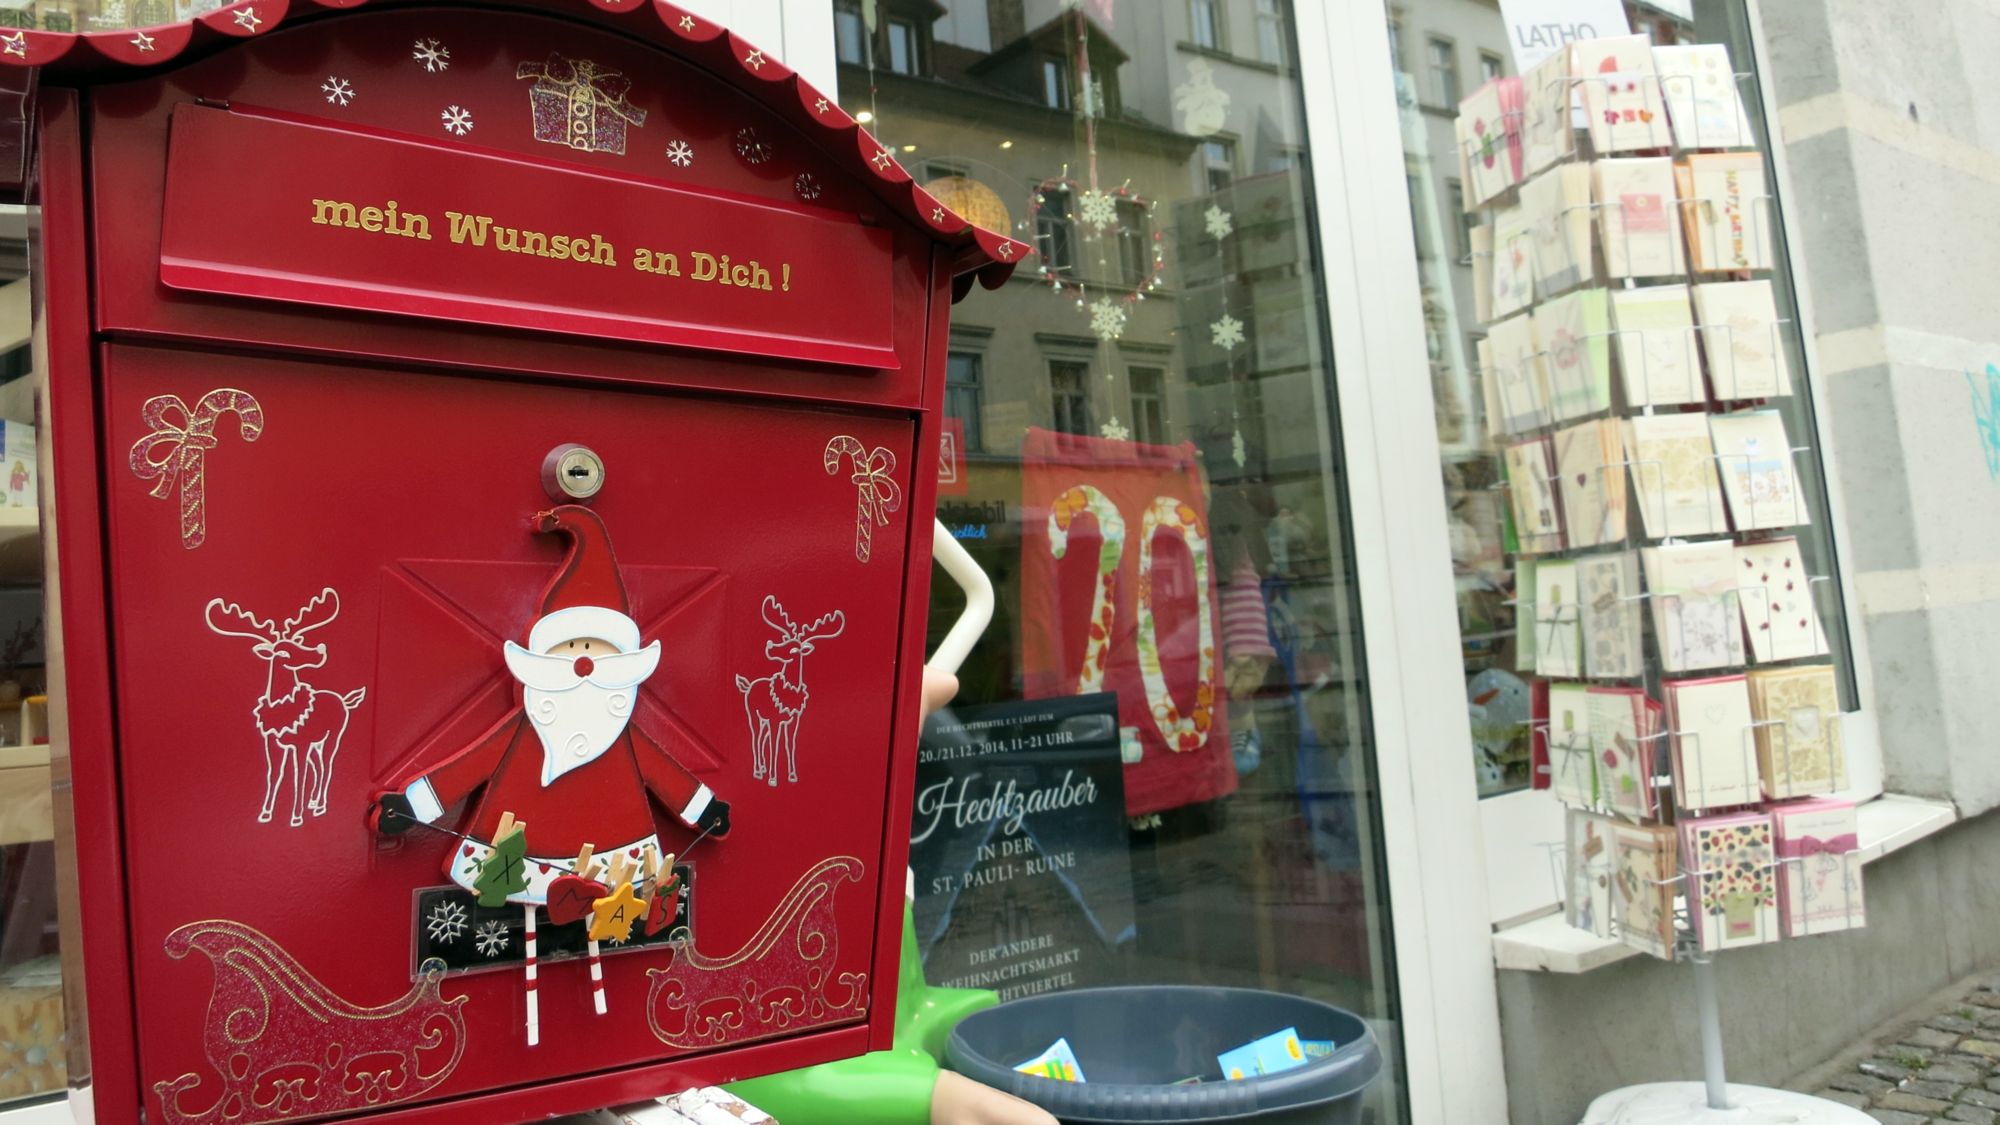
504	870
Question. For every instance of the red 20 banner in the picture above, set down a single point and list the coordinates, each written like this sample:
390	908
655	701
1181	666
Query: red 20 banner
1118	594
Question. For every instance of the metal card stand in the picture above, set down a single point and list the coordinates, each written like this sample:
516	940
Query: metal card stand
1541	390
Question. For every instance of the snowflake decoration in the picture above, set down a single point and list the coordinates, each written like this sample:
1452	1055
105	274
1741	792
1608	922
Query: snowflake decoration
1226	332
445	922
492	938
1097	209
1219	222
1107	319
751	147
434	55
807	186
457	121
1237	452
681	153
247	19
338	91
1115	430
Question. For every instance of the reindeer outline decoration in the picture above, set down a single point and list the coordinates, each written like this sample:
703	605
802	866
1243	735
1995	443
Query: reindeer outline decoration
302	726
774	704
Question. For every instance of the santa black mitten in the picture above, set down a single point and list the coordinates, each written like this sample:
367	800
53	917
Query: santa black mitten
714	820
392	815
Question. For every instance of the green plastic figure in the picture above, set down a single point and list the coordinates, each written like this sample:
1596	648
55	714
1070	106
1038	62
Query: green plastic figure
903	1085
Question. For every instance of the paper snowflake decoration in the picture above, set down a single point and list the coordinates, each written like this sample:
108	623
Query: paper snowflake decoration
434	55
1219	221
491	940
1115	430
1097	209
457	121
445	922
1227	332
338	91
681	153
1107	319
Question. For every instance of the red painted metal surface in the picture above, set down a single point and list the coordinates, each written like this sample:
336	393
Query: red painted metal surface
314	491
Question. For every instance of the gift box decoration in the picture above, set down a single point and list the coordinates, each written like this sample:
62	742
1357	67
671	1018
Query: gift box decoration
579	104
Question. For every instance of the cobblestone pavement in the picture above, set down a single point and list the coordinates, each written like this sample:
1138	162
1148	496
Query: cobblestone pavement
1938	1069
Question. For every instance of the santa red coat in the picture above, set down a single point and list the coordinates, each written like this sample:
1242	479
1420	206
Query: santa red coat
602	802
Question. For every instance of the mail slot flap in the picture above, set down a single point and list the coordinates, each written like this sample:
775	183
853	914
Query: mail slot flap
530	130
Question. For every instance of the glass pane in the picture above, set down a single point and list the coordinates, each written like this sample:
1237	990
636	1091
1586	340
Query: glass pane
1159	499
1614	371
849	34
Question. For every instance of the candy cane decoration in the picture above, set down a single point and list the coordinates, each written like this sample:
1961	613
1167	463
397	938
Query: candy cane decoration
534	1000
1079	500
177	447
876	490
1189	732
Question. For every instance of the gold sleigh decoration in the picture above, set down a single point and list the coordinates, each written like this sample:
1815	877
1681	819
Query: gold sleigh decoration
779	981
287	1048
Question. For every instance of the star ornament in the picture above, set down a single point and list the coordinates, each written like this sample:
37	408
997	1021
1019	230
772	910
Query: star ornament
15	43
247	19
754	60
612	917
142	41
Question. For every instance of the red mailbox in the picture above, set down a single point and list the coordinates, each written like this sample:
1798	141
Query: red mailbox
492	451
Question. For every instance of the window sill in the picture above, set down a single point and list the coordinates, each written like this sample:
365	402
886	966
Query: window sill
1550	945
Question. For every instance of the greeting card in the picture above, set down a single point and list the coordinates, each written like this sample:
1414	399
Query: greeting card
1513	261
1524	613
1575	334
1646	872
1673	474
1590	461
1776	598
1726	208
1739	334
1800	748
1549	134
1702	100
1715	759
1557	205
1532	495
1621	93
1589	867
1658	362
1519	375
1481	241
1489	123
1608	586
1621	735
1558	628
1640	224
1754	456
1539	774
1731	863
1572	761
1819	874
1693	594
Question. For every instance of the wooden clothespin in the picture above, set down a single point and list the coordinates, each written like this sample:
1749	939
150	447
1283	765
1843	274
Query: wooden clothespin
583	863
508	826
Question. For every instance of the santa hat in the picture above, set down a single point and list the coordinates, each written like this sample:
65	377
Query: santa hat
586	598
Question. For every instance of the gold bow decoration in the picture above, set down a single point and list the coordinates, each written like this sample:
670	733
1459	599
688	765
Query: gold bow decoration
175	449
877	493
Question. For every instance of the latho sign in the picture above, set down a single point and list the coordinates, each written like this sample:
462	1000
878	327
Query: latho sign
373	221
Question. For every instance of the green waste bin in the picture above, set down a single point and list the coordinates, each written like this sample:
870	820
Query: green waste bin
1135	1042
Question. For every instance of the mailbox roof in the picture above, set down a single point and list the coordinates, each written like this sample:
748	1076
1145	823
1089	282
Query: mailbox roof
982	254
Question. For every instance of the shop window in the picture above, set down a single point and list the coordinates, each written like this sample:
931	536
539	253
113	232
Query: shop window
1055	230
1208	24
1149	404
850	34
1491	66
1461	222
1069	396
1444	73
963	392
1156	389
1271	32
906	53
1055	83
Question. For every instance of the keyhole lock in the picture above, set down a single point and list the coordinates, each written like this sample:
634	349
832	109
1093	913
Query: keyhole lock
572	472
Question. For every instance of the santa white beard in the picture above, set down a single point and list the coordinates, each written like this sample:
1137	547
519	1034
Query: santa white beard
578	717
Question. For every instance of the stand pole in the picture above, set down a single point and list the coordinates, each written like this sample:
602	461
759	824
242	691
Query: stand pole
1709	1014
